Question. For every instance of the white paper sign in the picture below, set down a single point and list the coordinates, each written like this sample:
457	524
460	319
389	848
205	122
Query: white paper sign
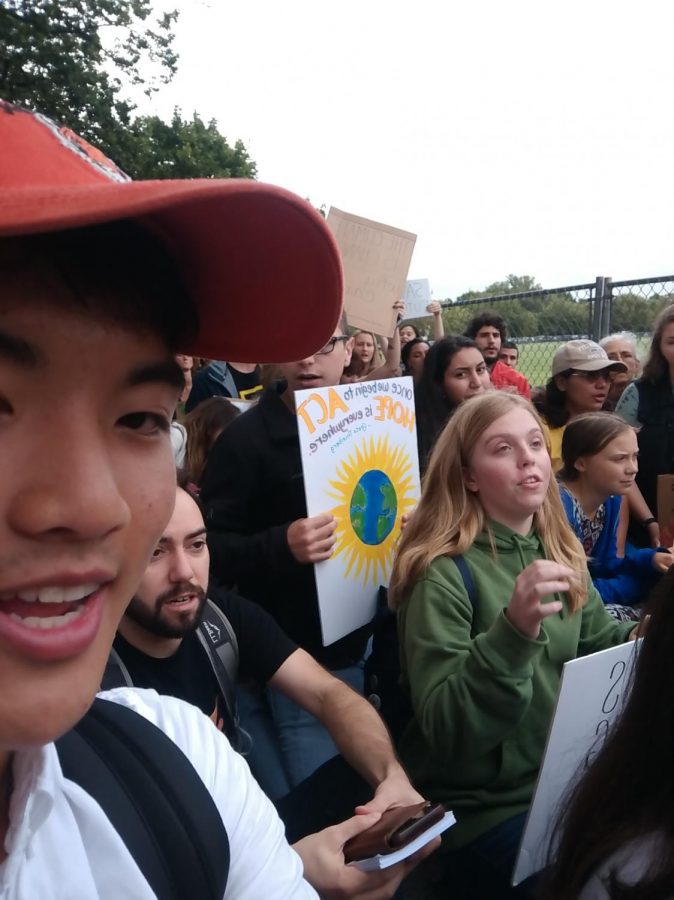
359	456
417	297
592	692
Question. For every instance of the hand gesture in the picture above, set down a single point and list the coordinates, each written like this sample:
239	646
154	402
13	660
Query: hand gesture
434	308
663	560
324	867
399	307
526	609
312	540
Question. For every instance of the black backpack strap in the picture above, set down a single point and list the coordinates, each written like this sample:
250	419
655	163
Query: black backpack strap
218	639
116	673
469	584
153	797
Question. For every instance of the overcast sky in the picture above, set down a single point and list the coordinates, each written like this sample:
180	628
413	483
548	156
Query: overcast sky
509	136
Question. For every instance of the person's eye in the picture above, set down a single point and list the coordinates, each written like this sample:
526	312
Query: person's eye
157	552
146	423
481	370
199	545
537	443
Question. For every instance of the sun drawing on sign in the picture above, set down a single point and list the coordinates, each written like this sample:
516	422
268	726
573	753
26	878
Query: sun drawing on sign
374	488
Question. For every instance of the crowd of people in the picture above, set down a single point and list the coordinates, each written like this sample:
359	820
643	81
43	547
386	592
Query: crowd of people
172	724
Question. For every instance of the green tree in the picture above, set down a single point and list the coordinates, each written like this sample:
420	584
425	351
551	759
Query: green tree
73	60
152	148
70	58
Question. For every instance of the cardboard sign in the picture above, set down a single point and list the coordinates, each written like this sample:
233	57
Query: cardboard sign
376	259
417	297
666	509
359	456
591	695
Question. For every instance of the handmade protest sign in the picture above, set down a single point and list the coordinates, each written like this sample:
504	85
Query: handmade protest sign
417	296
376	259
592	693
359	458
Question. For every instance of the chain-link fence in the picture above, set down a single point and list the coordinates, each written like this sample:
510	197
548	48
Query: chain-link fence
539	321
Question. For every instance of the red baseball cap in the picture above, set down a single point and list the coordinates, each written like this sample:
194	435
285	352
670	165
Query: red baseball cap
260	264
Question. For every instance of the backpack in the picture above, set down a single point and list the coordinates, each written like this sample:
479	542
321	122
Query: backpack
383	686
154	798
217	637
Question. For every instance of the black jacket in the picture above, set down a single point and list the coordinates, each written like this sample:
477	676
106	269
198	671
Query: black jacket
252	490
656	435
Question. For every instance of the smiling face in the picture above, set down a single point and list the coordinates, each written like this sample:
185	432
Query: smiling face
321	369
172	591
466	376
91	489
613	469
510	470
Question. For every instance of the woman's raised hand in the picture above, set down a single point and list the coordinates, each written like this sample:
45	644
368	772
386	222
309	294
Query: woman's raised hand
527	607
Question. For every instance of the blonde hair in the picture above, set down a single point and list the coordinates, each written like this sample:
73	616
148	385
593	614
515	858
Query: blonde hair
450	517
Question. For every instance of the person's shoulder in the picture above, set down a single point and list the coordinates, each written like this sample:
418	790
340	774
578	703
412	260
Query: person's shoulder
174	717
628	865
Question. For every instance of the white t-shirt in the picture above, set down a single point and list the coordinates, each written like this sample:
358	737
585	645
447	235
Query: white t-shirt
61	846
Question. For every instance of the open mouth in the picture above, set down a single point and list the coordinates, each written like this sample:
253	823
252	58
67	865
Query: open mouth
53	621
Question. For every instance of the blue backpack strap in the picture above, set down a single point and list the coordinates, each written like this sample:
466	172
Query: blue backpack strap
154	798
468	583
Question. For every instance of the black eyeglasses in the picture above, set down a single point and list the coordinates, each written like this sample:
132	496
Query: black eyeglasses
330	346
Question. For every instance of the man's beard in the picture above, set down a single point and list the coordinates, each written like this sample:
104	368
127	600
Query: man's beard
182	623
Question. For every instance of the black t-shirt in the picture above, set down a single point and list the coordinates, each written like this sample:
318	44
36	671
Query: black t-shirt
247	383
263	648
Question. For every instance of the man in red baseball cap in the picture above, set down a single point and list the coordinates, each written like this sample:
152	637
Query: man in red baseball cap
103	281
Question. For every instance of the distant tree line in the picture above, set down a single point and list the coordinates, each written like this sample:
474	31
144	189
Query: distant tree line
550	314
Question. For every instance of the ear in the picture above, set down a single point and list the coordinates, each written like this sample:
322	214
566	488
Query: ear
560	382
348	350
469	480
580	465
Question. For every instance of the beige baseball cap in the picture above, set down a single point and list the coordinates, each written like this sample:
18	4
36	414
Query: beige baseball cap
584	356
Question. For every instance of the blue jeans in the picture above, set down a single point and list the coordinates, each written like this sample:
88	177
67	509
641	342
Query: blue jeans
479	871
282	731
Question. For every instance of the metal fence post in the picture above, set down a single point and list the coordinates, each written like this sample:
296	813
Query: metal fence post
607	314
597	311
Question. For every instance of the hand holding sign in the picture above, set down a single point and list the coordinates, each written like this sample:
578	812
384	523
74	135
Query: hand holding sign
526	609
312	540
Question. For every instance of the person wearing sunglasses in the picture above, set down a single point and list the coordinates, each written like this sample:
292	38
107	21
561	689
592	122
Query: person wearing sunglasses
579	383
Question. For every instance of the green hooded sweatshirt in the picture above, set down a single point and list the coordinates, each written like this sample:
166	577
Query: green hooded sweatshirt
484	694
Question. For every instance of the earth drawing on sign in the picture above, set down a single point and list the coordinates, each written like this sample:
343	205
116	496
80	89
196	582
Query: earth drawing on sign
373	507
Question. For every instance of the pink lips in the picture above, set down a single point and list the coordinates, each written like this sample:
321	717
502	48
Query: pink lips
57	643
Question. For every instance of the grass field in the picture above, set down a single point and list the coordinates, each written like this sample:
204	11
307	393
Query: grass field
535	360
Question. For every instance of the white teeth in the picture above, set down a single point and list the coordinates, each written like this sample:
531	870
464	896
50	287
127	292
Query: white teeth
56	594
46	622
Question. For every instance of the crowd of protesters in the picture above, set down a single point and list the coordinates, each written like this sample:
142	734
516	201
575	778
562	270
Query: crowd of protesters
166	560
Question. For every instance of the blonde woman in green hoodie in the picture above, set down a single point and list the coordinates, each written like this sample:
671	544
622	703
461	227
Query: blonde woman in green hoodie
483	674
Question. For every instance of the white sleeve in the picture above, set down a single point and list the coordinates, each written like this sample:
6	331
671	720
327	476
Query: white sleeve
262	864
